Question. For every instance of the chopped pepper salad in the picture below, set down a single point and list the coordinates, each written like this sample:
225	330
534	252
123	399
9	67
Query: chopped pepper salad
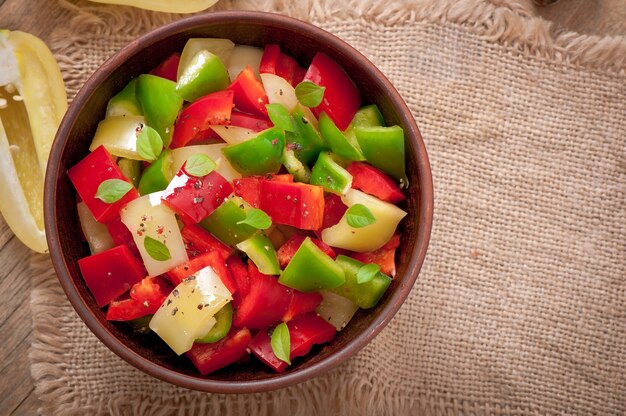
238	204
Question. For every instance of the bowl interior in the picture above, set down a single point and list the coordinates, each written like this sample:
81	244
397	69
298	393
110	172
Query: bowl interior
301	41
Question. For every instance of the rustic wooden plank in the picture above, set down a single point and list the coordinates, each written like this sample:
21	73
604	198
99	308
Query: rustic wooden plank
16	383
19	326
38	17
15	282
5	233
29	406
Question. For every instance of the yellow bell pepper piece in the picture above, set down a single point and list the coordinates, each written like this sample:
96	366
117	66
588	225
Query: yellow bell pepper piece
167	6
370	237
32	104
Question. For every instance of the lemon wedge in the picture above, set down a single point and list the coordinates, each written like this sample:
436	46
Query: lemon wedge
32	104
168	6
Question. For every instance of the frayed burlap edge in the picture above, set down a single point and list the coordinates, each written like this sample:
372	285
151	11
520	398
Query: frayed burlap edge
506	22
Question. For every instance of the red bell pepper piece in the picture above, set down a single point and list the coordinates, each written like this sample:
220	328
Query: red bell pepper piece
125	308
168	69
299	75
275	62
146	297
341	97
199	241
265	304
304	332
385	256
270	58
249	188
287	250
205	137
209	110
334	208
249	121
239	271
286	69
110	273
211	357
308	330
122	235
301	303
249	94
89	173
194	198
374	182
210	259
297	204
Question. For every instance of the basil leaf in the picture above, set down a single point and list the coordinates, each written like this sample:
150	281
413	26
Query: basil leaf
149	143
257	218
281	342
112	190
280	116
199	165
309	94
156	249
359	216
367	273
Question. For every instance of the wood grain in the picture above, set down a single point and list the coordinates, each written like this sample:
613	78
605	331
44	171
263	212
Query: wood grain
40	17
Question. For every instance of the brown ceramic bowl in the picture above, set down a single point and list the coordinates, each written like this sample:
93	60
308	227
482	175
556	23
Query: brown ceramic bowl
301	41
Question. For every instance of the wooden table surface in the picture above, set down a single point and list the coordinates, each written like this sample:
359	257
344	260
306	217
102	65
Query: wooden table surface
40	17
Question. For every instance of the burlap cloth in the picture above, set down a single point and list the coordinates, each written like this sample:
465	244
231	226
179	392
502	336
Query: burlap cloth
521	305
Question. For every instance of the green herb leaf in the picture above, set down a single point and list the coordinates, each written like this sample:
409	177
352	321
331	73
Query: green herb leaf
367	273
309	94
149	143
112	190
156	249
281	343
199	165
257	219
280	116
359	216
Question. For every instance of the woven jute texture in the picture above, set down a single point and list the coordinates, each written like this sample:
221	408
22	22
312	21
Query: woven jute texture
521	305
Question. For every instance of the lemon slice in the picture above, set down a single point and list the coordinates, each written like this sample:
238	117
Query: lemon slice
168	6
32	104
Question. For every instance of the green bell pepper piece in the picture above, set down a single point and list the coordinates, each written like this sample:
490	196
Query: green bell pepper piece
261	251
158	175
383	147
131	169
224	320
260	155
160	104
300	171
367	294
306	140
141	325
222	222
310	269
125	103
368	116
338	142
330	175
204	74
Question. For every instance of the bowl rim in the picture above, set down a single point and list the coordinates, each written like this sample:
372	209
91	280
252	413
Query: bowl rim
354	345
